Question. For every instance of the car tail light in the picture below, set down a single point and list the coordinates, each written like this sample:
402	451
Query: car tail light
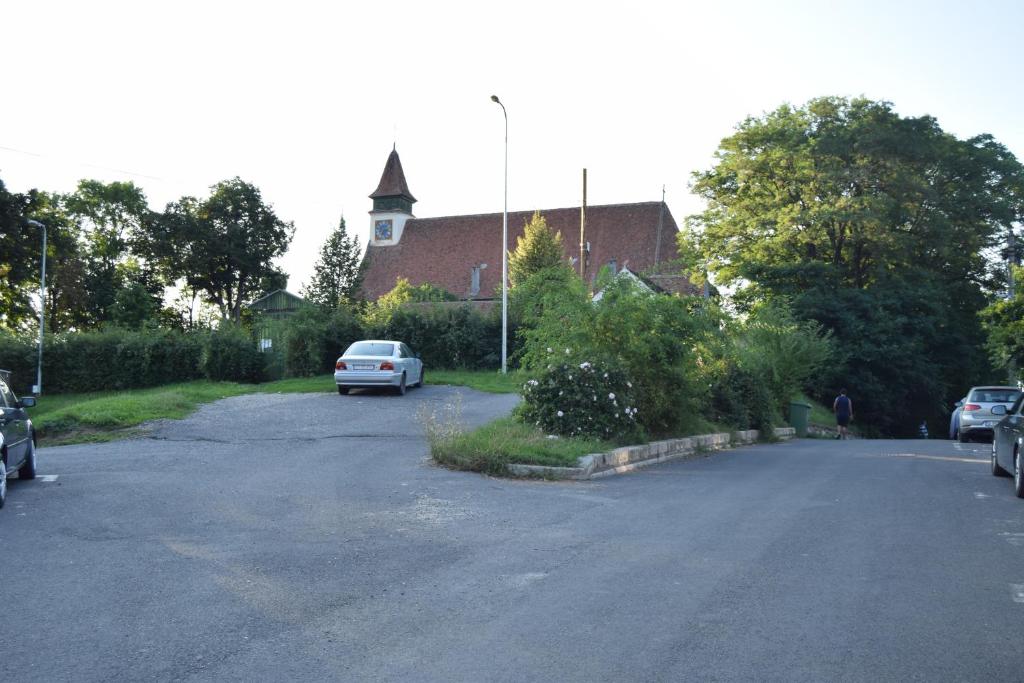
340	365
387	365
971	406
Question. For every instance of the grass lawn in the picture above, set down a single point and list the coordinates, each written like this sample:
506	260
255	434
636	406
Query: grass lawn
820	415
108	415
491	447
490	381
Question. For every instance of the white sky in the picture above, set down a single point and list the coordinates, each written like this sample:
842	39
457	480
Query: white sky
303	99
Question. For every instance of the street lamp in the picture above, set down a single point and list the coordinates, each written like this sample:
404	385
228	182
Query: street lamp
504	253
38	388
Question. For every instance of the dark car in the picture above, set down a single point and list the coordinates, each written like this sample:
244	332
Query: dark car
1007	442
17	436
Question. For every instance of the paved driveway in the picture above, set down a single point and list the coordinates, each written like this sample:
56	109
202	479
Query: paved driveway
306	537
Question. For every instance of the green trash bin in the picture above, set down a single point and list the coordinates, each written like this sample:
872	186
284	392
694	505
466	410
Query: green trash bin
798	414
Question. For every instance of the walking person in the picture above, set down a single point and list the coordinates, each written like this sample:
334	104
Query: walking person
843	408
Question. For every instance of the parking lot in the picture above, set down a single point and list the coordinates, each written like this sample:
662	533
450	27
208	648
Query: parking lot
308	537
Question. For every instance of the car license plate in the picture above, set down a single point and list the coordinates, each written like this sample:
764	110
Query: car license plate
990	423
362	366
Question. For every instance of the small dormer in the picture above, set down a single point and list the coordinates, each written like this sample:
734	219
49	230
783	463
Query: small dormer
392	204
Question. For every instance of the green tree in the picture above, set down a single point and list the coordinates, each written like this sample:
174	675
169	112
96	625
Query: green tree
113	218
874	225
378	313
338	273
223	245
69	304
1003	321
537	249
20	245
133	306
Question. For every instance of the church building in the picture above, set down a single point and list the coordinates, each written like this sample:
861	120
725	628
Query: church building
462	254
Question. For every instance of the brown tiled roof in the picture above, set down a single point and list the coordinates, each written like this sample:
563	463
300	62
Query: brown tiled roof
443	251
392	180
674	284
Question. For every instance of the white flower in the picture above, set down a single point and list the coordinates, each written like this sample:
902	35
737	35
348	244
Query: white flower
552	436
560	393
570	376
629	384
549	349
606	375
611	397
584	365
560	413
568	351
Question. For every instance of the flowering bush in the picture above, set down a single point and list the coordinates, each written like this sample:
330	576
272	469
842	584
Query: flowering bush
580	398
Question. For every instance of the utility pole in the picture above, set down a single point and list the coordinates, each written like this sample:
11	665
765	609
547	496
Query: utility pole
1011	261
661	221
583	225
38	388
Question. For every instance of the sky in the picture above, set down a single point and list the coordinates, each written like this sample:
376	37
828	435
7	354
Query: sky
306	99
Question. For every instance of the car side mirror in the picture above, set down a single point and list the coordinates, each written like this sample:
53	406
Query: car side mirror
959	404
999	410
27	402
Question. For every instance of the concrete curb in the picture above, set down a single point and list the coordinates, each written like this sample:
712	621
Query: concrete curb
630	458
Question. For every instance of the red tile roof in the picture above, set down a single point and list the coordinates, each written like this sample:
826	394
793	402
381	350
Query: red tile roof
443	251
392	180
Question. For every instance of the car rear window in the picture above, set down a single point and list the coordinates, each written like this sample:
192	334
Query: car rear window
994	395
370	349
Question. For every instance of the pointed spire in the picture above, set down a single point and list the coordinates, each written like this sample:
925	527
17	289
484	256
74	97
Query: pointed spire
392	181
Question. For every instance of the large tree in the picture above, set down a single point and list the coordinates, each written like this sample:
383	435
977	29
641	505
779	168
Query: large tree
338	273
223	245
539	248
873	224
20	246
114	219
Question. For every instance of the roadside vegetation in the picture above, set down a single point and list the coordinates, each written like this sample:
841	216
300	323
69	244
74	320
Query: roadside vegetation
831	282
505	441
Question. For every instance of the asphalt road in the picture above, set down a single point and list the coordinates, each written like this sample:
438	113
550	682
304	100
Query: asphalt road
307	537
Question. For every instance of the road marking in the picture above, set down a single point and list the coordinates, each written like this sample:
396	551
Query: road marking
48	478
981	496
1017	592
1012	538
934	457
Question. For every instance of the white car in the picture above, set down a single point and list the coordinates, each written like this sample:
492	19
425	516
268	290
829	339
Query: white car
979	416
378	363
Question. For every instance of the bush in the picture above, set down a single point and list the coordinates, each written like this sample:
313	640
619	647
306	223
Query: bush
446	336
650	337
780	352
587	399
111	358
315	337
739	399
18	354
230	355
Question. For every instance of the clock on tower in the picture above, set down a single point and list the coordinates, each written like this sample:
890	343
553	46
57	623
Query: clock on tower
382	230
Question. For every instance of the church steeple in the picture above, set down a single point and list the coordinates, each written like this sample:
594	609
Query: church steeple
392	193
392	204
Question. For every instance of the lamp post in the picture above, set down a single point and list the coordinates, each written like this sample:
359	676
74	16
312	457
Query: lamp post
504	253
38	389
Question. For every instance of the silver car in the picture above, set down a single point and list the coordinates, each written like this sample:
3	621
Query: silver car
378	363
979	416
17	437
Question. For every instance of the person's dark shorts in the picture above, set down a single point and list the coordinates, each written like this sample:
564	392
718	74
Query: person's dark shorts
842	420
